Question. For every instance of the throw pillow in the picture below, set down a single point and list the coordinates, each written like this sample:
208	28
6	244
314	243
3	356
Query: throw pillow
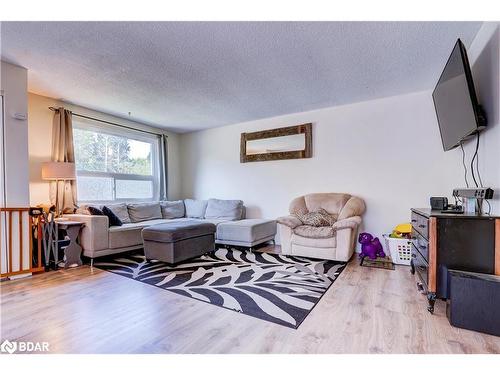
121	211
113	220
224	209
318	218
144	211
172	209
195	208
94	211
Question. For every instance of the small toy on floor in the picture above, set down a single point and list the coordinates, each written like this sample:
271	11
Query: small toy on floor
370	247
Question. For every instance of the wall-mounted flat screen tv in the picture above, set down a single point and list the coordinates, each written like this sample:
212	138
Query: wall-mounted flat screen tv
458	112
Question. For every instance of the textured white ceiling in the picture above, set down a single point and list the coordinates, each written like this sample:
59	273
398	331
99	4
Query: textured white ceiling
187	76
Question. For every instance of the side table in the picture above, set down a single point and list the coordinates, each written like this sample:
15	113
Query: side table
73	251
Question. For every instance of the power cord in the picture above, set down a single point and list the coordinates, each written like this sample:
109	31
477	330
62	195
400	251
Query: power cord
489	207
479	183
477	162
476	156
463	163
472	161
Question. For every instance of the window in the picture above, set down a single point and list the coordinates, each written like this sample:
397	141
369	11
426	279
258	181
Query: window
114	164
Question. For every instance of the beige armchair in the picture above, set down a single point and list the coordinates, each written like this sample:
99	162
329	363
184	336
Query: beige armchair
334	242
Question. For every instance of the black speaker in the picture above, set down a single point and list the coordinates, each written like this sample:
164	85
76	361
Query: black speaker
439	203
474	301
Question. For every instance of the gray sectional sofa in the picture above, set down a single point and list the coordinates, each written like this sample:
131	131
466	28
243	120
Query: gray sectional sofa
99	239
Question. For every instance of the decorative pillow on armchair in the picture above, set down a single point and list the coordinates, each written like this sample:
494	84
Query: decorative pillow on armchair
318	218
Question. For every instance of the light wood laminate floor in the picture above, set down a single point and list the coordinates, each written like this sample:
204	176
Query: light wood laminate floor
86	310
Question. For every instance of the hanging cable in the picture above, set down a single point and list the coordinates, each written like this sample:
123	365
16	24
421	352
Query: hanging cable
463	163
477	163
489	207
472	163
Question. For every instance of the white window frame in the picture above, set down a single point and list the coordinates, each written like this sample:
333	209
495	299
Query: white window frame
83	124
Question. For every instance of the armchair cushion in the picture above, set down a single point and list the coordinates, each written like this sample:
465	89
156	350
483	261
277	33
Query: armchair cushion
289	221
298	206
314	243
310	231
354	207
331	202
351	222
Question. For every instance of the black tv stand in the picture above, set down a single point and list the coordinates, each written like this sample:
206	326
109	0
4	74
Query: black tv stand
458	210
444	241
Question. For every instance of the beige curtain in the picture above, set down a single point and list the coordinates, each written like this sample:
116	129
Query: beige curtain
63	150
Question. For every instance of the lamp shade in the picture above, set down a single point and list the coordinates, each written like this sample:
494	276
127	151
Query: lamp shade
55	170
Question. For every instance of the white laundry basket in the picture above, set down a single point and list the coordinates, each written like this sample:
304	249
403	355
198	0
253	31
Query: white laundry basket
400	249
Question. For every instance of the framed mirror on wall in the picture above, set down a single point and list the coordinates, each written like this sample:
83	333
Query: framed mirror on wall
291	142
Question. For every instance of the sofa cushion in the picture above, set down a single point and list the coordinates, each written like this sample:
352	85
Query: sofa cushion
129	234
172	209
144	211
224	209
125	238
195	208
120	210
310	231
143	224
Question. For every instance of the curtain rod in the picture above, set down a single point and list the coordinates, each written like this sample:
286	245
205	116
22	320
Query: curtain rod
110	123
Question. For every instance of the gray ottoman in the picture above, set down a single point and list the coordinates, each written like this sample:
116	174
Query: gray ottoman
247	232
178	241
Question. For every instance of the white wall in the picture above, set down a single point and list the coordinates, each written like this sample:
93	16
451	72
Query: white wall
40	141
13	84
386	151
14	81
484	56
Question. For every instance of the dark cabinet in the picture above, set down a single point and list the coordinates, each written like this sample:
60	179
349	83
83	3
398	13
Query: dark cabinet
451	241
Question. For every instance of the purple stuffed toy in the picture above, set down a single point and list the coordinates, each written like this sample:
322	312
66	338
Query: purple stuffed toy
370	246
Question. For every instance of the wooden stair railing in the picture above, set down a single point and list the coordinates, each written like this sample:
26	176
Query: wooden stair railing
16	253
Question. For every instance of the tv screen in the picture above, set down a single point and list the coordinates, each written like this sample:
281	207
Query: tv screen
458	112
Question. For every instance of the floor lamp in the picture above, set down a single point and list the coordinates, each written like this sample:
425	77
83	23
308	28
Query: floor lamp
58	171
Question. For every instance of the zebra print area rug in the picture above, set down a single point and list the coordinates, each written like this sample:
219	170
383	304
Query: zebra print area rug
277	288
